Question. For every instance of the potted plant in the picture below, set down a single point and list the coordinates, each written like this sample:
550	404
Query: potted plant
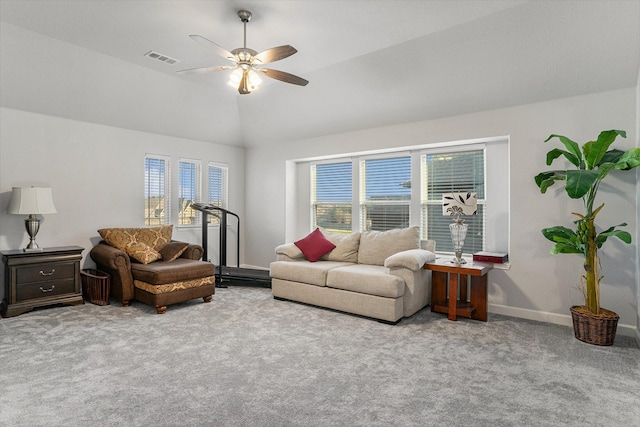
591	164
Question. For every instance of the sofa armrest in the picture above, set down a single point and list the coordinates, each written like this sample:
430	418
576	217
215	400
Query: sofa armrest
117	263
412	259
193	251
289	252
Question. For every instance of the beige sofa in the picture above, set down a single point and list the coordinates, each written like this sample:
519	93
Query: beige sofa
373	274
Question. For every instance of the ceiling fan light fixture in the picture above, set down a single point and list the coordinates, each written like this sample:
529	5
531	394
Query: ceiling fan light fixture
245	81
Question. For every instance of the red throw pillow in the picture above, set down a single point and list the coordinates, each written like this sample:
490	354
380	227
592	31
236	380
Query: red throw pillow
314	245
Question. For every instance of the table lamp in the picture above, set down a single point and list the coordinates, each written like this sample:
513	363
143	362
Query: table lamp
31	201
457	205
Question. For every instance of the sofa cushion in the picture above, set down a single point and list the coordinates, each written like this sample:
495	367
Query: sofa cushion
376	246
314	245
413	259
289	250
366	279
173	251
182	269
142	252
313	273
346	246
156	237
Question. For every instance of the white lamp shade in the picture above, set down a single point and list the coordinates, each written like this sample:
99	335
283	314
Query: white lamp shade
31	200
459	204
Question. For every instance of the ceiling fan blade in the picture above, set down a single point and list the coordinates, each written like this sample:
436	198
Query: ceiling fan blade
275	54
284	77
213	46
203	70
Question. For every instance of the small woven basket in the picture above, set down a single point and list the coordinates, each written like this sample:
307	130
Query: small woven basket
598	329
95	286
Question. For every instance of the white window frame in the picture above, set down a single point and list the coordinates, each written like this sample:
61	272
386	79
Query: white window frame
424	198
497	183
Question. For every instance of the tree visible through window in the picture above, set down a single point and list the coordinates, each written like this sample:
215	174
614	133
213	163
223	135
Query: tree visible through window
157	205
189	191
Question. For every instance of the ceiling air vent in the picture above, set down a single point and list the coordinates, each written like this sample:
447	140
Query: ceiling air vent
162	58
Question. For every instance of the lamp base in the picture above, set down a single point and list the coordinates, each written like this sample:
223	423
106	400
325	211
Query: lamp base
458	234
32	224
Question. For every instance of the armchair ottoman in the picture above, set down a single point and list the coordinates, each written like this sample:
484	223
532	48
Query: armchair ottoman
169	275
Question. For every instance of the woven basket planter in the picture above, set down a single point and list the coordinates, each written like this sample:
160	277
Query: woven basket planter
595	329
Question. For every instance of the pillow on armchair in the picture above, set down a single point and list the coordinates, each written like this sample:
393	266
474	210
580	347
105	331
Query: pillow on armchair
173	251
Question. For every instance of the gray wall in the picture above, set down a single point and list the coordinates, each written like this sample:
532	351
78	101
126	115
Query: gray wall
538	285
96	174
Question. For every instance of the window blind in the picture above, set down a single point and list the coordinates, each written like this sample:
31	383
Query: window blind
385	193
157	200
189	191
331	195
218	175
448	172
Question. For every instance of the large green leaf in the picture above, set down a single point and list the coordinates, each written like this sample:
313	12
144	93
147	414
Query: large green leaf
612	156
612	232
580	181
594	151
576	155
629	160
556	152
565	248
560	234
545	180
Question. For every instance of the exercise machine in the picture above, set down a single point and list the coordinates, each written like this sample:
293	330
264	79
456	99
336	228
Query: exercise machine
226	275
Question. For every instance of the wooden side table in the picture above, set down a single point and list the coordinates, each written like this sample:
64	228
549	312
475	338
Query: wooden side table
36	279
456	276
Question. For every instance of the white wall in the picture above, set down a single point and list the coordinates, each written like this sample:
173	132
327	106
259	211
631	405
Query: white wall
96	173
638	214
538	285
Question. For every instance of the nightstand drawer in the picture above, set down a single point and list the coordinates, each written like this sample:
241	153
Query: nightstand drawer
44	289
49	272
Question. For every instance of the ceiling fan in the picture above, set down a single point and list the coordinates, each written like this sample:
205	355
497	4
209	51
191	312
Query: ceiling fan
245	62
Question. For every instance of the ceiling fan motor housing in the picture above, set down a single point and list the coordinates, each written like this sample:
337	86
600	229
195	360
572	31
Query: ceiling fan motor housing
244	15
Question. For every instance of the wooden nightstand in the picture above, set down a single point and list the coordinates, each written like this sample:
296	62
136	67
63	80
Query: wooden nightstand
42	278
443	273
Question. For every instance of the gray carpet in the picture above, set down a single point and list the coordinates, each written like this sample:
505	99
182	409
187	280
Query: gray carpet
246	359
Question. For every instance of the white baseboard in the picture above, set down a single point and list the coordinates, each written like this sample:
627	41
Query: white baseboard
555	318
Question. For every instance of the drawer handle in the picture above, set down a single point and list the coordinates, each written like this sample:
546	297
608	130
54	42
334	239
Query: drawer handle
42	273
44	291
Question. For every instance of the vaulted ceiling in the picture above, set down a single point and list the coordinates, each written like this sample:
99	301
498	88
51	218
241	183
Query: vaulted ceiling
369	62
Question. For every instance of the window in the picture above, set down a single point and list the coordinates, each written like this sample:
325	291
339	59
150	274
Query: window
385	193
449	172
218	188
157	205
190	189
331	195
404	188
